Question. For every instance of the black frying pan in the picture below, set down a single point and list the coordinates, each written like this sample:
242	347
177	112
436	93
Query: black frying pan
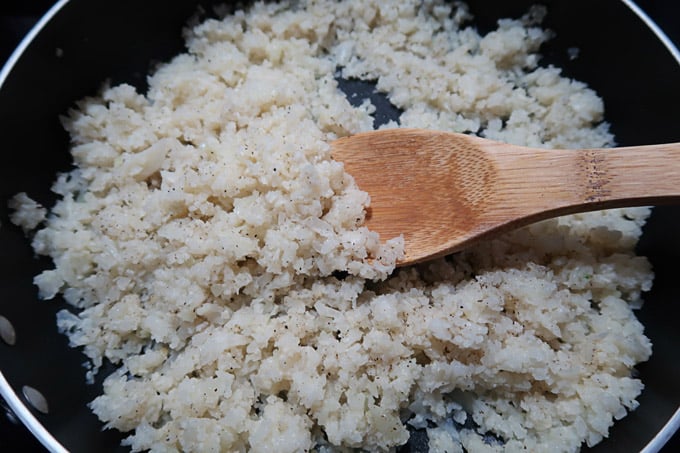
620	57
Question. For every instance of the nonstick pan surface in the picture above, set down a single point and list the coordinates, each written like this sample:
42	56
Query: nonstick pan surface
87	42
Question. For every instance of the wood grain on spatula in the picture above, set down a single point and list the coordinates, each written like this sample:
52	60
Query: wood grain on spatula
445	191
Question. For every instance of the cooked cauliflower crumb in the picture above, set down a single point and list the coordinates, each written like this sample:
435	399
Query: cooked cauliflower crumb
26	213
214	252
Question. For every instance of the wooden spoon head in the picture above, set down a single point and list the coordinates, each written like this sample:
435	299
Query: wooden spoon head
429	186
445	191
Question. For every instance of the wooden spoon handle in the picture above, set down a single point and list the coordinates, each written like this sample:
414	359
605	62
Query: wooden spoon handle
561	182
633	175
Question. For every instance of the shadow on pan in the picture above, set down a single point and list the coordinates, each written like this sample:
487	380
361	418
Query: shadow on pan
88	42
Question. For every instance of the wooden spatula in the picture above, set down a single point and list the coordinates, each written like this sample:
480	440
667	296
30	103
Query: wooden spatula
445	191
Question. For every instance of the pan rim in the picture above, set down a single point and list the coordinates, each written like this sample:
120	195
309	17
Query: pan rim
28	39
28	419
663	37
45	437
673	424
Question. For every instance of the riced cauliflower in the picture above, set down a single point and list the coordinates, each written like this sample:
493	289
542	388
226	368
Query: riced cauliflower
214	252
